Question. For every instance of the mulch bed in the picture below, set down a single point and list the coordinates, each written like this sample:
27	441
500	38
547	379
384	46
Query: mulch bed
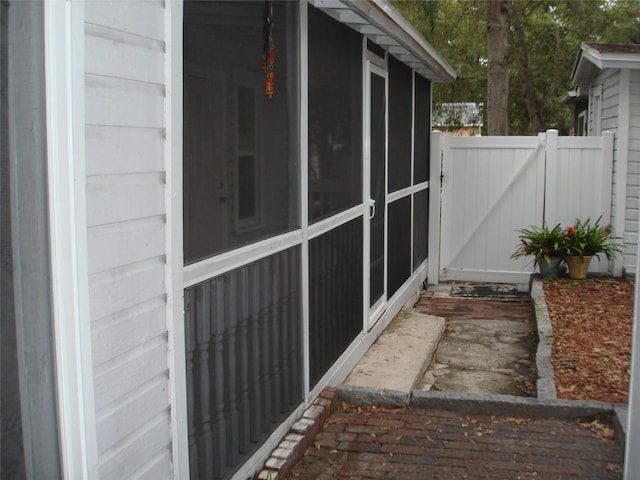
592	323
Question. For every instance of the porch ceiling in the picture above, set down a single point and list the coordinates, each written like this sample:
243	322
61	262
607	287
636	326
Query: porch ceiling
378	20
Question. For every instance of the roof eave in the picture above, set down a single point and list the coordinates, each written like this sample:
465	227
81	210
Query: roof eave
590	60
386	26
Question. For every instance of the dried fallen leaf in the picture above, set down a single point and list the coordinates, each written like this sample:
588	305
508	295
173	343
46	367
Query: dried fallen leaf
346	407
517	420
592	322
599	429
614	468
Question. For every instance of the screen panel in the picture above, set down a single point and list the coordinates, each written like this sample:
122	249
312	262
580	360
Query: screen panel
420	227
335	116
399	248
335	294
400	121
241	147
244	360
422	133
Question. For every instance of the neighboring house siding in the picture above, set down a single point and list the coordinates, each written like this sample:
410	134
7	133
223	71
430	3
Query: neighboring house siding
125	167
608	117
618	112
610	99
604	115
633	172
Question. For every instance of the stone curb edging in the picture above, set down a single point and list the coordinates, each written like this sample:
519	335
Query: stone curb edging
545	386
300	437
486	403
473	403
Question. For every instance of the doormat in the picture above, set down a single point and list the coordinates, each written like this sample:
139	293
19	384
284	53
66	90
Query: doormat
497	292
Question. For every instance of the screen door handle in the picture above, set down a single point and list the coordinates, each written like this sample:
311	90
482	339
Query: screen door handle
372	208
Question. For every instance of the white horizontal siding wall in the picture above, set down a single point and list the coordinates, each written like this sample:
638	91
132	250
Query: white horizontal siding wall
614	115
126	219
610	99
633	172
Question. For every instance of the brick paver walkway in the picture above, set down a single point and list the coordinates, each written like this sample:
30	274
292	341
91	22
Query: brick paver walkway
472	308
411	443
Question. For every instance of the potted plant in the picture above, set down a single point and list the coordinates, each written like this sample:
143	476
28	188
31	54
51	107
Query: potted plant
545	245
583	241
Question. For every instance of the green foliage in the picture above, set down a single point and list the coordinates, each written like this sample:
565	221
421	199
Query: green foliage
454	116
581	239
586	239
544	55
540	242
470	63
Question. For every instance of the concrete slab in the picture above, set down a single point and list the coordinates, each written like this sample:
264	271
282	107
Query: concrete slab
482	356
402	353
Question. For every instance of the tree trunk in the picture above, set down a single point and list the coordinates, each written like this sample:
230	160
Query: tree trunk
534	108
496	16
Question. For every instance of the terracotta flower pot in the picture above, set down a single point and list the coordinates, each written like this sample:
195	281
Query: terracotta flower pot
578	266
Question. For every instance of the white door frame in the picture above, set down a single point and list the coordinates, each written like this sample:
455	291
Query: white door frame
377	66
64	64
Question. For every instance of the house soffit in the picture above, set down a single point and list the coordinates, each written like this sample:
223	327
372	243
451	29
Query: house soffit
594	58
379	21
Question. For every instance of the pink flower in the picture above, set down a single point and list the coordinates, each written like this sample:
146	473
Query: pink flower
569	231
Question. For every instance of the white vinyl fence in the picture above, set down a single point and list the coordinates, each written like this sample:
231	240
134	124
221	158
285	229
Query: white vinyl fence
493	186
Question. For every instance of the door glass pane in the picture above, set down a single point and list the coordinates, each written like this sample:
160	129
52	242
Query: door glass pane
241	148
246	118
378	186
246	187
335	116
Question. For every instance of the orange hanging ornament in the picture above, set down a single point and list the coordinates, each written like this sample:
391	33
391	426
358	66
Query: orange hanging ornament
270	75
269	55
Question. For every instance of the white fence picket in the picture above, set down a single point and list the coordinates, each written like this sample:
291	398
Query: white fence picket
493	186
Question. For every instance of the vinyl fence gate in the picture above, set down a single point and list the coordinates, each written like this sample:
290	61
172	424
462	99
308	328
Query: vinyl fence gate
493	186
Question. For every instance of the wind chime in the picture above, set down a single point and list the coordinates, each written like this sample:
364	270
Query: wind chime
269	54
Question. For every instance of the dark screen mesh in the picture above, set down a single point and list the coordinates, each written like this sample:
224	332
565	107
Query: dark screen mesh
422	129
243	361
377	223
400	112
420	227
399	247
241	148
335	295
335	116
